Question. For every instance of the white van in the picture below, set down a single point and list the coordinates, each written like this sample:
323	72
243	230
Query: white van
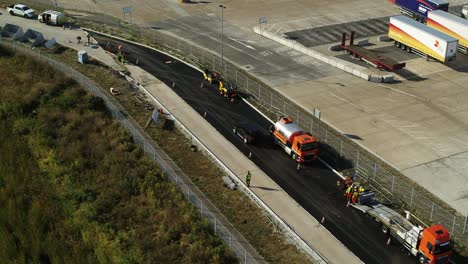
51	17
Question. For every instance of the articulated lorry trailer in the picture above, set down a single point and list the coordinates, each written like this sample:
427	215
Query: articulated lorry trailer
431	245
418	9
452	25
420	39
301	146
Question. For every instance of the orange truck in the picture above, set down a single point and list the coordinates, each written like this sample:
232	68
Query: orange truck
301	146
431	245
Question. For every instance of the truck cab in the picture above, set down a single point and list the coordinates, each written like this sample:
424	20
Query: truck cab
301	146
21	10
418	10
435	246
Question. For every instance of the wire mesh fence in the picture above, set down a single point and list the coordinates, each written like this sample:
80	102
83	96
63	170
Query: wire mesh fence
337	150
221	227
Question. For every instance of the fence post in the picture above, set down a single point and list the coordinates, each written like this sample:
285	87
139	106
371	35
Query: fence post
247	83
357	159
375	170
393	183
237	83
466	222
453	226
432	211
259	95
341	149
411	200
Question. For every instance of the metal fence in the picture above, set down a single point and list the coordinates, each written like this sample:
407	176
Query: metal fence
222	228
337	150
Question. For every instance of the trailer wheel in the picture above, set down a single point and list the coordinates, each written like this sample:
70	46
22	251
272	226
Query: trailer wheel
384	229
408	49
397	44
403	46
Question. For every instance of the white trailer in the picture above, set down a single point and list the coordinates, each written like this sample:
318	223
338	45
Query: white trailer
51	17
452	25
419	38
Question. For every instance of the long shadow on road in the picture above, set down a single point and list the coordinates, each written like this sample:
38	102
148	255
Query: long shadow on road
313	187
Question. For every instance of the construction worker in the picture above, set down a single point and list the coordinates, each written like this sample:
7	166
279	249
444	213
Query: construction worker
355	196
361	189
247	178
349	193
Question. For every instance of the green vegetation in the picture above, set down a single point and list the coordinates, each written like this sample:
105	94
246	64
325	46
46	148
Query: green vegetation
75	189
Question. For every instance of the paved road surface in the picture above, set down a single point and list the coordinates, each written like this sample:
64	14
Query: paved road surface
313	187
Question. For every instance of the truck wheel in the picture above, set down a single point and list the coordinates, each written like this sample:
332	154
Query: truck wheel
25	16
294	156
234	131
403	46
422	259
11	13
384	229
397	44
246	141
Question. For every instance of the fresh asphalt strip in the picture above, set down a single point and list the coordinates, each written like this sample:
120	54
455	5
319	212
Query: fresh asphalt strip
313	187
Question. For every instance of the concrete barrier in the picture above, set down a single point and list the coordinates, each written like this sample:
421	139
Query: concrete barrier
33	36
12	31
384	38
362	42
348	67
336	47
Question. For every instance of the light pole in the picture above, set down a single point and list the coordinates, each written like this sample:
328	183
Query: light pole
222	35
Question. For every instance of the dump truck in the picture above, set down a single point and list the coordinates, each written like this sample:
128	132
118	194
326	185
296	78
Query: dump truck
51	17
420	39
301	146
224	87
21	10
452	25
431	245
418	9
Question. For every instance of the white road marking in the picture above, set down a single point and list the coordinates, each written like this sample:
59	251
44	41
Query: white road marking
241	42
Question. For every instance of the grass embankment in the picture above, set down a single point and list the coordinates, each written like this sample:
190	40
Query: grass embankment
75	189
247	218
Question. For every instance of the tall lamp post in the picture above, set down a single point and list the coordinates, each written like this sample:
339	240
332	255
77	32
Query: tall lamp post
222	35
